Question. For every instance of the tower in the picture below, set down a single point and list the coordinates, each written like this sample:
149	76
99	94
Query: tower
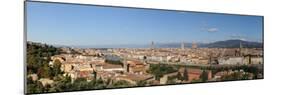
194	45
182	45
126	66
152	45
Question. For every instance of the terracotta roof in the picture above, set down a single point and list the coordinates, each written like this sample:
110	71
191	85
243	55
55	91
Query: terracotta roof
109	66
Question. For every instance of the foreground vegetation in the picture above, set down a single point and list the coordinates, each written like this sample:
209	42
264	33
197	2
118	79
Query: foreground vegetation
38	56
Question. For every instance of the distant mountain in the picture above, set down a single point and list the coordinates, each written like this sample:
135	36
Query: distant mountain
218	44
169	45
234	44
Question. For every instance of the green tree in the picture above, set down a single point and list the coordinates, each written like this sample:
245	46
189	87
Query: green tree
141	83
56	67
35	87
185	74
44	72
179	76
158	70
121	83
204	76
80	83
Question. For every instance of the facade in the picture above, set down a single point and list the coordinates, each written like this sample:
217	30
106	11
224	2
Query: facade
231	60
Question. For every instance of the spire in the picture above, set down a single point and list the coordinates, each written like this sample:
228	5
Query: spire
182	45
194	45
152	45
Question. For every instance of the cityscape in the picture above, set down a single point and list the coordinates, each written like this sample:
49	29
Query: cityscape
84	51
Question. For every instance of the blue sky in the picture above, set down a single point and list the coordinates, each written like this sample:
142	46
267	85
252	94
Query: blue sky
67	24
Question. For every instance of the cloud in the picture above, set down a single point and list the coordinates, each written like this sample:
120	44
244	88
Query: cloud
207	28
212	30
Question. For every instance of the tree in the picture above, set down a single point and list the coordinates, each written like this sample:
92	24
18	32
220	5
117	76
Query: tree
38	56
29	80
179	76
141	83
100	84
35	87
121	83
95	75
144	57
172	80
204	76
80	83
158	70
44	72
185	75
56	68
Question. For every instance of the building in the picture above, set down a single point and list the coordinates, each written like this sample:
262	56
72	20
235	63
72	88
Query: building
182	45
105	75
134	66
194	45
111	67
152	45
134	78
34	77
164	79
46	81
253	60
194	74
231	60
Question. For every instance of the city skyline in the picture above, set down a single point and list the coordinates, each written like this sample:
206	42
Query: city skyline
73	47
62	24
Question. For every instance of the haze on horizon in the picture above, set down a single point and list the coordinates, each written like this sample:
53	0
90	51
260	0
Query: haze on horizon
80	25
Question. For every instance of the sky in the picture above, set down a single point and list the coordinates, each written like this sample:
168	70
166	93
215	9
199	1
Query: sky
68	24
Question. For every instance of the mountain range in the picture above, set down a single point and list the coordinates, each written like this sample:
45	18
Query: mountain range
217	44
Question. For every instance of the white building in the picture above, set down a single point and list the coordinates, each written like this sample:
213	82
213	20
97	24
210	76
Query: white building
231	60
